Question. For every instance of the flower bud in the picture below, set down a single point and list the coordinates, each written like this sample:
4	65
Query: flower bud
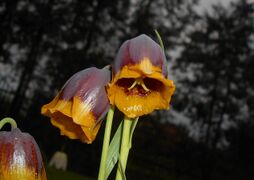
59	160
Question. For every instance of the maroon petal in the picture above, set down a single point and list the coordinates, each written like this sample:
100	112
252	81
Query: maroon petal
133	51
89	86
19	152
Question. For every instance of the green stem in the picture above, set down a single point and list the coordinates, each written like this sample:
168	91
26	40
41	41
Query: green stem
125	147
8	120
106	140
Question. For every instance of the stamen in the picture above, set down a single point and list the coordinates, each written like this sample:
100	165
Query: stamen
139	81
144	87
133	85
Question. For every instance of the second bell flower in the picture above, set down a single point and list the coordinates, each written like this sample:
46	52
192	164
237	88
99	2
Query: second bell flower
79	107
140	84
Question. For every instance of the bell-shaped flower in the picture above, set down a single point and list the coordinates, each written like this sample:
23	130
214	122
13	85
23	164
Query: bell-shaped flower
140	84
79	107
59	160
20	157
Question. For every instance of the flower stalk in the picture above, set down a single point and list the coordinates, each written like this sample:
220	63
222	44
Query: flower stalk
106	140
9	120
125	146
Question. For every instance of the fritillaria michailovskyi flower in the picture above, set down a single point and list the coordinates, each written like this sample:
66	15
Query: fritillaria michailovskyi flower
140	84
20	157
79	107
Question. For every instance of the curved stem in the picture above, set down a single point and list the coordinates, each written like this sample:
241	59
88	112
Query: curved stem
9	120
125	147
106	141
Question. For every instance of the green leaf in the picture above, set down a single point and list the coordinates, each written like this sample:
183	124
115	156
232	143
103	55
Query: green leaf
114	149
133	126
159	38
129	125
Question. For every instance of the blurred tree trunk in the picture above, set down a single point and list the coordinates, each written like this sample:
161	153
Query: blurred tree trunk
6	26
26	75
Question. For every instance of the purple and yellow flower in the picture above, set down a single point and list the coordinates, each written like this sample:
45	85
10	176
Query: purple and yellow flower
140	84
20	157
79	107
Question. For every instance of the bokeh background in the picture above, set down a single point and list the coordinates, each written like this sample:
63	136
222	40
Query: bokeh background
209	131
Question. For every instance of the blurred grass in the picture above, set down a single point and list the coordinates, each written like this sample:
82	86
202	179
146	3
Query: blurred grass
54	174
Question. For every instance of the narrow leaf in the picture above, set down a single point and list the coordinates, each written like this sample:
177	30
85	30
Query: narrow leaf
114	149
159	38
133	126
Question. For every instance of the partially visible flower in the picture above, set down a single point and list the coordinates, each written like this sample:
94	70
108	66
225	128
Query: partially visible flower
140	84
20	157
78	108
59	160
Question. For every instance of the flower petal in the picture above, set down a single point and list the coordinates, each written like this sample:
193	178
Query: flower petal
134	105
78	108
20	157
135	50
68	127
57	105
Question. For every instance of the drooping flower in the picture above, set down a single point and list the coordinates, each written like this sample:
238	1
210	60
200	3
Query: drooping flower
59	160
20	157
140	84
79	107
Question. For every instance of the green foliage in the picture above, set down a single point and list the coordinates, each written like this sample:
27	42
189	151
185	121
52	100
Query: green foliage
160	40
133	126
114	149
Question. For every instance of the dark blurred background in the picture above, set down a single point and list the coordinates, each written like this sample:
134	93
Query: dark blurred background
209	131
